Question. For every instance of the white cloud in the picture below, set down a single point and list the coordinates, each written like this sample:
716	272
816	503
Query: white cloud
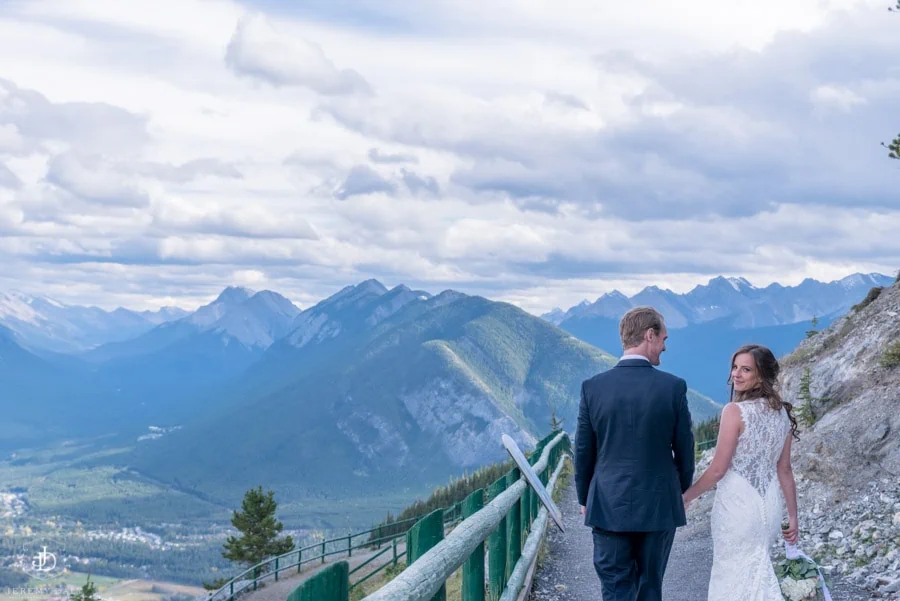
245	222
835	97
8	179
362	179
93	179
190	170
257	49
27	114
533	153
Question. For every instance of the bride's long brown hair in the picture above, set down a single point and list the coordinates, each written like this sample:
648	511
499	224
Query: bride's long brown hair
767	370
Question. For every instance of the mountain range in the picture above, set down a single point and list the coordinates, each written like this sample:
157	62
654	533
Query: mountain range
735	301
43	323
370	381
707	324
363	384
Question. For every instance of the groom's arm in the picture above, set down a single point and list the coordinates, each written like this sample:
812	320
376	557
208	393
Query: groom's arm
585	450
683	438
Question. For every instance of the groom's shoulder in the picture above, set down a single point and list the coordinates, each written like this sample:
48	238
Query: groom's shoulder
597	378
669	378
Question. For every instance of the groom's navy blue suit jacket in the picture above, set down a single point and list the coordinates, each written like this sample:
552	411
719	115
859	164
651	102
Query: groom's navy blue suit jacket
634	449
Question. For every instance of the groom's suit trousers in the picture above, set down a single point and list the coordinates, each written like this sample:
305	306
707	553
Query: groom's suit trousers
631	565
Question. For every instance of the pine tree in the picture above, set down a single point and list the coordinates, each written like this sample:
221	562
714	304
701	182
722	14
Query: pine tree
555	422
807	412
813	331
259	530
894	147
88	592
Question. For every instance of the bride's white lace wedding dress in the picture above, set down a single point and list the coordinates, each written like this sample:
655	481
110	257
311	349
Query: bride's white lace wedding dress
747	511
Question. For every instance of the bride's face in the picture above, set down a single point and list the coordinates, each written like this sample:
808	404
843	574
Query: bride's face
743	373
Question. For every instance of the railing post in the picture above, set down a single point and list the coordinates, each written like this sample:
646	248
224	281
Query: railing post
299	560
349	546
255	576
424	535
231	592
276	569
497	548
513	533
330	584
533	501
473	569
323	551
394	545
524	513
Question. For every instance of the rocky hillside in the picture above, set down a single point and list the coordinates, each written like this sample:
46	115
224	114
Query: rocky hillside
848	458
847	462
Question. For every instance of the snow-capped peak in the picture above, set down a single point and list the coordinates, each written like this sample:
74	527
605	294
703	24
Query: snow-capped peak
739	284
16	305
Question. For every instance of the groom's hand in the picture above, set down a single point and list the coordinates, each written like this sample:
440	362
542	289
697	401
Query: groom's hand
583	509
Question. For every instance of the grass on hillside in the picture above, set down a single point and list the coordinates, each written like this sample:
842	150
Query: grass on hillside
891	356
100	495
111	587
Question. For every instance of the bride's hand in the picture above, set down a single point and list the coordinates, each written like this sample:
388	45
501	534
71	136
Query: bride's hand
792	533
687	504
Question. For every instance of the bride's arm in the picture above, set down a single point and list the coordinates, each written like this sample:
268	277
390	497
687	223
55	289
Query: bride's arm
729	431
789	488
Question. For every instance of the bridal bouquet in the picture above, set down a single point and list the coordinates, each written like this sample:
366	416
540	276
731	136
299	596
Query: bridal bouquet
800	577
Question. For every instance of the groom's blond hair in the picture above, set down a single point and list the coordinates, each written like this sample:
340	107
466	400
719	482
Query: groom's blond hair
636	322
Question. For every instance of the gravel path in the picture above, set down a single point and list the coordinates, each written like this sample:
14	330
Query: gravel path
567	574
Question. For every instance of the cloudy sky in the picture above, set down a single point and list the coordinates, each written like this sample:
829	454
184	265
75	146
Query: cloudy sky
531	151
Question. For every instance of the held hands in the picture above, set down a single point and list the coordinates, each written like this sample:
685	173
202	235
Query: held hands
583	510
791	532
687	503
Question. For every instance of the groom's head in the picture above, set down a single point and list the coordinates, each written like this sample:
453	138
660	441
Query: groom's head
643	332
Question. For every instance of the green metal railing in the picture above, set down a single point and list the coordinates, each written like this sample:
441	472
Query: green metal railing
706	444
504	520
318	553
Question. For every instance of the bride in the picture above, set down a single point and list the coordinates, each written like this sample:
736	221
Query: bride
753	454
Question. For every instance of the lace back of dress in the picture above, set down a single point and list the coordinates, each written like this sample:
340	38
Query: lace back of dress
761	443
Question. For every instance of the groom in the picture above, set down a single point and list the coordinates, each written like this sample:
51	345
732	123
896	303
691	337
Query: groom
634	457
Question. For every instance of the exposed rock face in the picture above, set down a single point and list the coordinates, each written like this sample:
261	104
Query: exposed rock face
856	436
848	461
466	424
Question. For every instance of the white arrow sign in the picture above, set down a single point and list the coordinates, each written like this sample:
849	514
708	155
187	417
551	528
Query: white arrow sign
532	478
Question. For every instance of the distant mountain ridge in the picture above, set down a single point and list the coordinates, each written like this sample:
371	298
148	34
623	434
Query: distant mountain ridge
363	384
707	324
253	319
381	378
734	301
43	323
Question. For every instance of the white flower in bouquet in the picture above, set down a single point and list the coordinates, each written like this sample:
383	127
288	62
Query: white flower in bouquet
800	590
799	576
